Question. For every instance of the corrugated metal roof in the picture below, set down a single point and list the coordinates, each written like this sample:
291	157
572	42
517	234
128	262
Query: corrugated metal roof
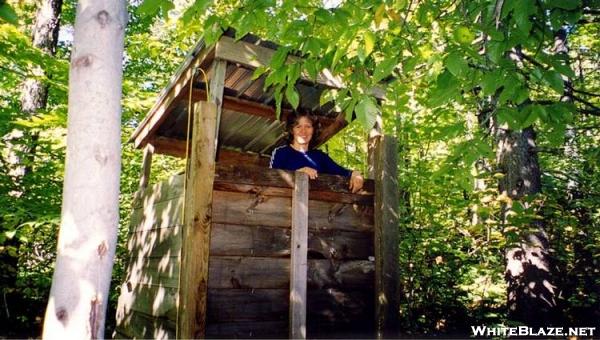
248	121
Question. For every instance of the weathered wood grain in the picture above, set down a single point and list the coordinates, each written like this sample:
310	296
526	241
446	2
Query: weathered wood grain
155	242
162	272
248	330
195	245
162	191
160	215
299	257
226	305
325	306
261	176
248	209
153	300
241	240
137	325
239	272
386	238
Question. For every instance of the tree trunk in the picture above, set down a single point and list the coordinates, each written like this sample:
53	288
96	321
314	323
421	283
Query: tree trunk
532	294
89	218
34	93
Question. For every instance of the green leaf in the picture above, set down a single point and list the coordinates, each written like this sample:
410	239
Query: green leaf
150	8
279	57
491	82
456	64
292	96
463	35
8	14
495	51
384	69
195	10
568	5
366	112
339	53
532	113
554	79
259	71
369	42
509	115
523	9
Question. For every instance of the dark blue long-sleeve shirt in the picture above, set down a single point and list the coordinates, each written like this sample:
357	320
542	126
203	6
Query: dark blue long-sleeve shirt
287	158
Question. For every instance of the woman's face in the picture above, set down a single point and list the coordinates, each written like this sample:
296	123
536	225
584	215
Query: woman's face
303	131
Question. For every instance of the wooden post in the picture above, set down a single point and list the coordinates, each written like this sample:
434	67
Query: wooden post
216	88
146	166
374	135
193	280
386	238
299	249
145	174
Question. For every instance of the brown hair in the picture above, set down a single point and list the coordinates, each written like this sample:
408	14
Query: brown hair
292	121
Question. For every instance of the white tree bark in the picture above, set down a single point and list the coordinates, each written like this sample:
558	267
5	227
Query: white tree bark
89	217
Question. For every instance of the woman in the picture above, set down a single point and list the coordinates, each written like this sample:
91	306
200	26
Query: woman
299	154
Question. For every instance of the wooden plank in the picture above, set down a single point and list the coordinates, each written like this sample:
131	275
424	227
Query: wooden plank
163	272
137	325
164	214
248	174
226	305
325	306
217	83
299	257
386	238
230	157
153	300
162	191
240	240
196	231
260	210
248	330
330	130
237	272
155	242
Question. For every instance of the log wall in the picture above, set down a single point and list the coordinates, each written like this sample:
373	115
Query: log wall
249	264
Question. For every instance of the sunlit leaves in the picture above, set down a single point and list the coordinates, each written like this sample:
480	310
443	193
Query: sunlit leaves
366	112
384	68
456	64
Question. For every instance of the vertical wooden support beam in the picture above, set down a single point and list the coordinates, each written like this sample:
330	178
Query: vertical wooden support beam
216	88
145	174
386	237
193	278
375	133
146	166
299	249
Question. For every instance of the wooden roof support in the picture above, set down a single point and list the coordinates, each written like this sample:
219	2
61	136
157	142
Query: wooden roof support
386	237
299	257
178	82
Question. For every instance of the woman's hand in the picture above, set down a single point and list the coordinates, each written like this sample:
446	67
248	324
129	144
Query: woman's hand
312	173
356	182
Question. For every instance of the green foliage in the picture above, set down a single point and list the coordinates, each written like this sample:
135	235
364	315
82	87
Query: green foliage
447	69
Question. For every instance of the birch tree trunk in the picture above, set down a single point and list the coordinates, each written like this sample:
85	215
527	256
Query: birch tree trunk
89	218
34	93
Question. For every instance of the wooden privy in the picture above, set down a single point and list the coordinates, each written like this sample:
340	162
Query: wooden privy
233	249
